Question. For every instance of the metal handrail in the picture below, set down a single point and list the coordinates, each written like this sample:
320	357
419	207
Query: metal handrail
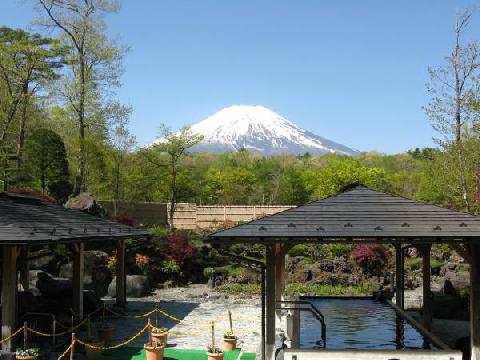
312	309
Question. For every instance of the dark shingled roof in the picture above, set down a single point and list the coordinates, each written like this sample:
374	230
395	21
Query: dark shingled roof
359	213
25	220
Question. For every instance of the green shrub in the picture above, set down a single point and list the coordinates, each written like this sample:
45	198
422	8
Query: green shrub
416	264
300	250
330	290
235	288
413	264
338	250
208	271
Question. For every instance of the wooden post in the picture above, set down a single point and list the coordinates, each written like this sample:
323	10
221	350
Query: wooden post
121	299
270	302
279	280
9	293
24	276
77	280
399	276
475	301
427	295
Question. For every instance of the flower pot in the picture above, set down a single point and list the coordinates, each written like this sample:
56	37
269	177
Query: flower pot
215	356
229	344
27	357
93	354
160	337
105	333
153	352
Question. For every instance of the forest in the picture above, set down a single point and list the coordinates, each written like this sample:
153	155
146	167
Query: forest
63	131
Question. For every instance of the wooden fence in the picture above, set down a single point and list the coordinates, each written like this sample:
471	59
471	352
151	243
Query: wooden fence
192	216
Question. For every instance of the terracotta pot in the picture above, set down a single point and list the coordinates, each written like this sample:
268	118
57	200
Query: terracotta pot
31	357
153	352
105	333
217	356
161	337
229	344
93	354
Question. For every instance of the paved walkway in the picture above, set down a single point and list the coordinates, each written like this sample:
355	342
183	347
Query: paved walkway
196	307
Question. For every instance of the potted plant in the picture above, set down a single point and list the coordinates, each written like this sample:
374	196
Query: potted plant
229	341
105	330
27	354
213	352
91	353
159	334
229	338
154	349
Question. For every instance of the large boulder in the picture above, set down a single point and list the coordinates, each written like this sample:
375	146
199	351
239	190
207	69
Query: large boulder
97	275
137	286
53	287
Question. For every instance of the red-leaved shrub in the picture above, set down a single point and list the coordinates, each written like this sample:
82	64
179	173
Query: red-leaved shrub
370	257
178	249
122	219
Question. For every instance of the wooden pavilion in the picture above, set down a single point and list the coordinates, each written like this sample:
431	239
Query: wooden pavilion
358	214
27	221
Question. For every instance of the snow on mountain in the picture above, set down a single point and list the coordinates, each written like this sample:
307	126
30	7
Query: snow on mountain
261	130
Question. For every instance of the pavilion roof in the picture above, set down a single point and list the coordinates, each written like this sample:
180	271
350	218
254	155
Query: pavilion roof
26	220
359	213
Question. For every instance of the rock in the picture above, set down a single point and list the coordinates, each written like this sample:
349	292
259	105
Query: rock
53	287
449	289
86	202
137	286
447	306
460	280
97	275
43	260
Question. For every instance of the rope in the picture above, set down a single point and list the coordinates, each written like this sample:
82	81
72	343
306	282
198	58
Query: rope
69	331
11	335
126	342
72	344
147	314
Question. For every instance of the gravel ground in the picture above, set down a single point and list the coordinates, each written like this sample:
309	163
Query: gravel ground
196	306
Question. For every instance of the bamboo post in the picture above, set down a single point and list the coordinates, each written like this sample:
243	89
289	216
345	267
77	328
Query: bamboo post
103	314
230	320
213	336
149	332
54	328
73	346
25	335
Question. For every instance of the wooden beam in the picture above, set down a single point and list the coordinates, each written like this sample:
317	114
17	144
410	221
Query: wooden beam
270	302
427	295
9	293
475	302
77	280
120	285
399	277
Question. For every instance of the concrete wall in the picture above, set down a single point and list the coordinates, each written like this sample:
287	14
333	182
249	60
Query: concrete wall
295	354
192	216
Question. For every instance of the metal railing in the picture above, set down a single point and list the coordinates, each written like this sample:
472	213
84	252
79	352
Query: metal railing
306	306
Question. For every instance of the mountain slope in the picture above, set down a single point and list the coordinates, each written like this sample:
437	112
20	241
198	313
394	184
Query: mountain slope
259	129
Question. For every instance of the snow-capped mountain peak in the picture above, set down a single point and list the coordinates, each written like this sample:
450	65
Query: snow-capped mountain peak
259	129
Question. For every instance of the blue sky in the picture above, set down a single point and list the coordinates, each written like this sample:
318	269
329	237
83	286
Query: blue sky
351	71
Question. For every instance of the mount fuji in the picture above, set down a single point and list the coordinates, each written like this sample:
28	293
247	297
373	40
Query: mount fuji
258	129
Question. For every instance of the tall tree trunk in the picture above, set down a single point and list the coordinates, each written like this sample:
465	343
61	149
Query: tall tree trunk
173	201
23	122
81	124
